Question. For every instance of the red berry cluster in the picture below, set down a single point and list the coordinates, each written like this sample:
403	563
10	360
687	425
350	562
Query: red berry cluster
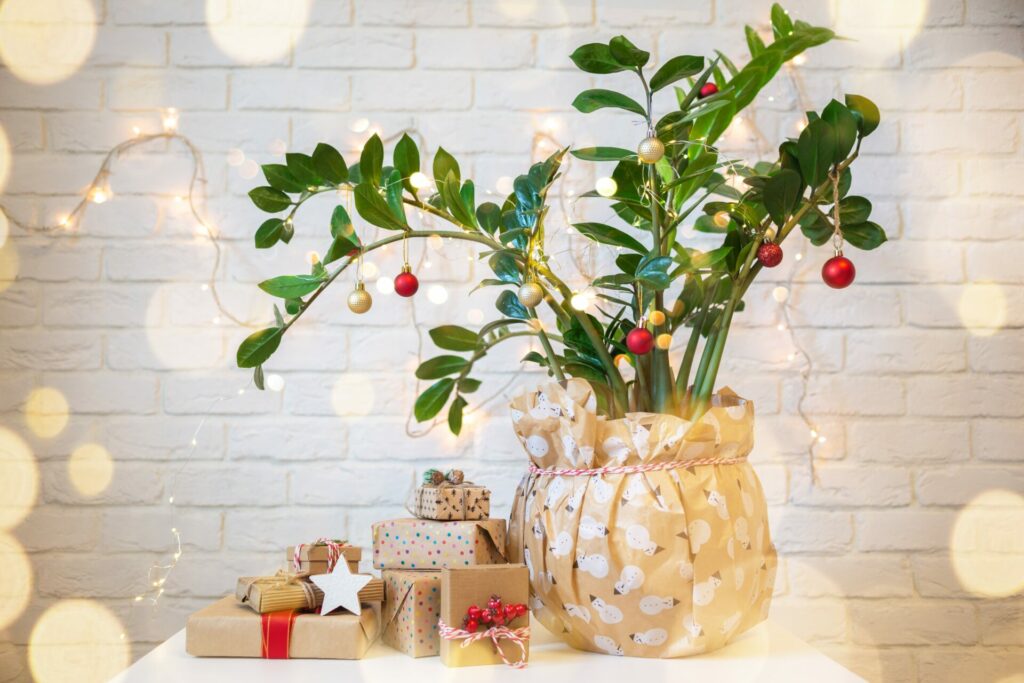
495	614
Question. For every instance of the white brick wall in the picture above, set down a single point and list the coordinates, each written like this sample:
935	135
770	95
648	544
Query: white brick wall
921	414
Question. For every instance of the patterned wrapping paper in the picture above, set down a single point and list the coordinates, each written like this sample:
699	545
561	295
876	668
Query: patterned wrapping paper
452	502
428	544
662	563
412	605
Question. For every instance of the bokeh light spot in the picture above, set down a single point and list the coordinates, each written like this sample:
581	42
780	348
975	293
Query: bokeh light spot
46	412
45	41
19	479
987	547
90	469
256	31
15	580
982	308
77	640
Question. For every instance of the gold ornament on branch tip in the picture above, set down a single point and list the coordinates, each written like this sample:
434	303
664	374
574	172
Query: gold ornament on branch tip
530	294
651	150
359	301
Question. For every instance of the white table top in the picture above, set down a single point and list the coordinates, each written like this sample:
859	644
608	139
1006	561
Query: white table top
767	652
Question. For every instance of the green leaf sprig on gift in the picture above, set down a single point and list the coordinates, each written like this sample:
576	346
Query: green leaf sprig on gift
660	287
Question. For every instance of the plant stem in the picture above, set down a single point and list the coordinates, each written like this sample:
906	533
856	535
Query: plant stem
548	351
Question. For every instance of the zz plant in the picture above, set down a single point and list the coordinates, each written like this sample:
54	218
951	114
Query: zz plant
659	284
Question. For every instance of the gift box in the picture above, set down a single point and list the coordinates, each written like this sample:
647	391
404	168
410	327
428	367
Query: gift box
428	544
464	587
412	605
229	629
446	501
319	557
293	591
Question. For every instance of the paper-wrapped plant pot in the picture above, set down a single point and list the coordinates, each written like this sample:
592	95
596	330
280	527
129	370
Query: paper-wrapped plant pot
645	536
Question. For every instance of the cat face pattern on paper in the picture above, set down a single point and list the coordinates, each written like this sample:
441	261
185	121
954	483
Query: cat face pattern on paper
661	564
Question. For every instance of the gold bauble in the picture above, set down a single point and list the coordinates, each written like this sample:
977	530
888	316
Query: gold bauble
359	301
657	318
664	341
530	294
651	150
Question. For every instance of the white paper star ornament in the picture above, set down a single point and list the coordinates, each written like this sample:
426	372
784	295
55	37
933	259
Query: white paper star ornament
341	588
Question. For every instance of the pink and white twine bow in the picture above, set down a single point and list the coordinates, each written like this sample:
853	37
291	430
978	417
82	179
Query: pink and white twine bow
633	469
333	553
495	633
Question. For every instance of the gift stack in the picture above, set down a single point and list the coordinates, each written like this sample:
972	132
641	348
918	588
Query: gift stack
319	608
449	589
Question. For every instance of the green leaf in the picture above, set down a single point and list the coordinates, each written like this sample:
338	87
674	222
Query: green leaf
429	403
269	233
302	169
281	178
329	163
441	366
754	42
816	229
592	100
853	210
782	25
468	385
504	266
815	149
269	199
455	415
258	347
625	52
375	210
393	195
676	68
602	153
454	338
407	160
445	163
866	235
371	161
781	193
868	116
292	306
605	234
452	197
341	223
653	271
596	58
342	246
257	377
291	286
844	123
508	304
488	215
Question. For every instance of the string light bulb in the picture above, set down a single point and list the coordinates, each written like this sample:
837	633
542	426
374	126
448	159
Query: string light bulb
606	187
419	180
169	119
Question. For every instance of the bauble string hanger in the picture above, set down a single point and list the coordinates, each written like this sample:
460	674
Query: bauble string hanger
359	300
838	272
530	294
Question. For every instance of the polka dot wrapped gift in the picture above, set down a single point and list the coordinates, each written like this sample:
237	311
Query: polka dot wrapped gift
428	544
411	610
644	536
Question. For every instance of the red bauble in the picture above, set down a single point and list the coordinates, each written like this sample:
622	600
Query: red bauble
769	254
838	272
639	341
708	89
406	284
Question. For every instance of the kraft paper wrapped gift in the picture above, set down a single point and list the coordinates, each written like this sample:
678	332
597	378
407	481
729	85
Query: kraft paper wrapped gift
465	586
229	629
293	591
447	501
314	558
428	544
411	608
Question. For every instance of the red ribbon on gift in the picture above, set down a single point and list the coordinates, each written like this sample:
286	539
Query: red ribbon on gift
277	633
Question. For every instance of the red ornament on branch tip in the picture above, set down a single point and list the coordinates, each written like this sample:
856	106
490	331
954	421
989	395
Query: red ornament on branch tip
639	341
838	272
406	284
708	89
769	254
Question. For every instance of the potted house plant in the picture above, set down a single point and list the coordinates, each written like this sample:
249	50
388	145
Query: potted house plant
642	523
